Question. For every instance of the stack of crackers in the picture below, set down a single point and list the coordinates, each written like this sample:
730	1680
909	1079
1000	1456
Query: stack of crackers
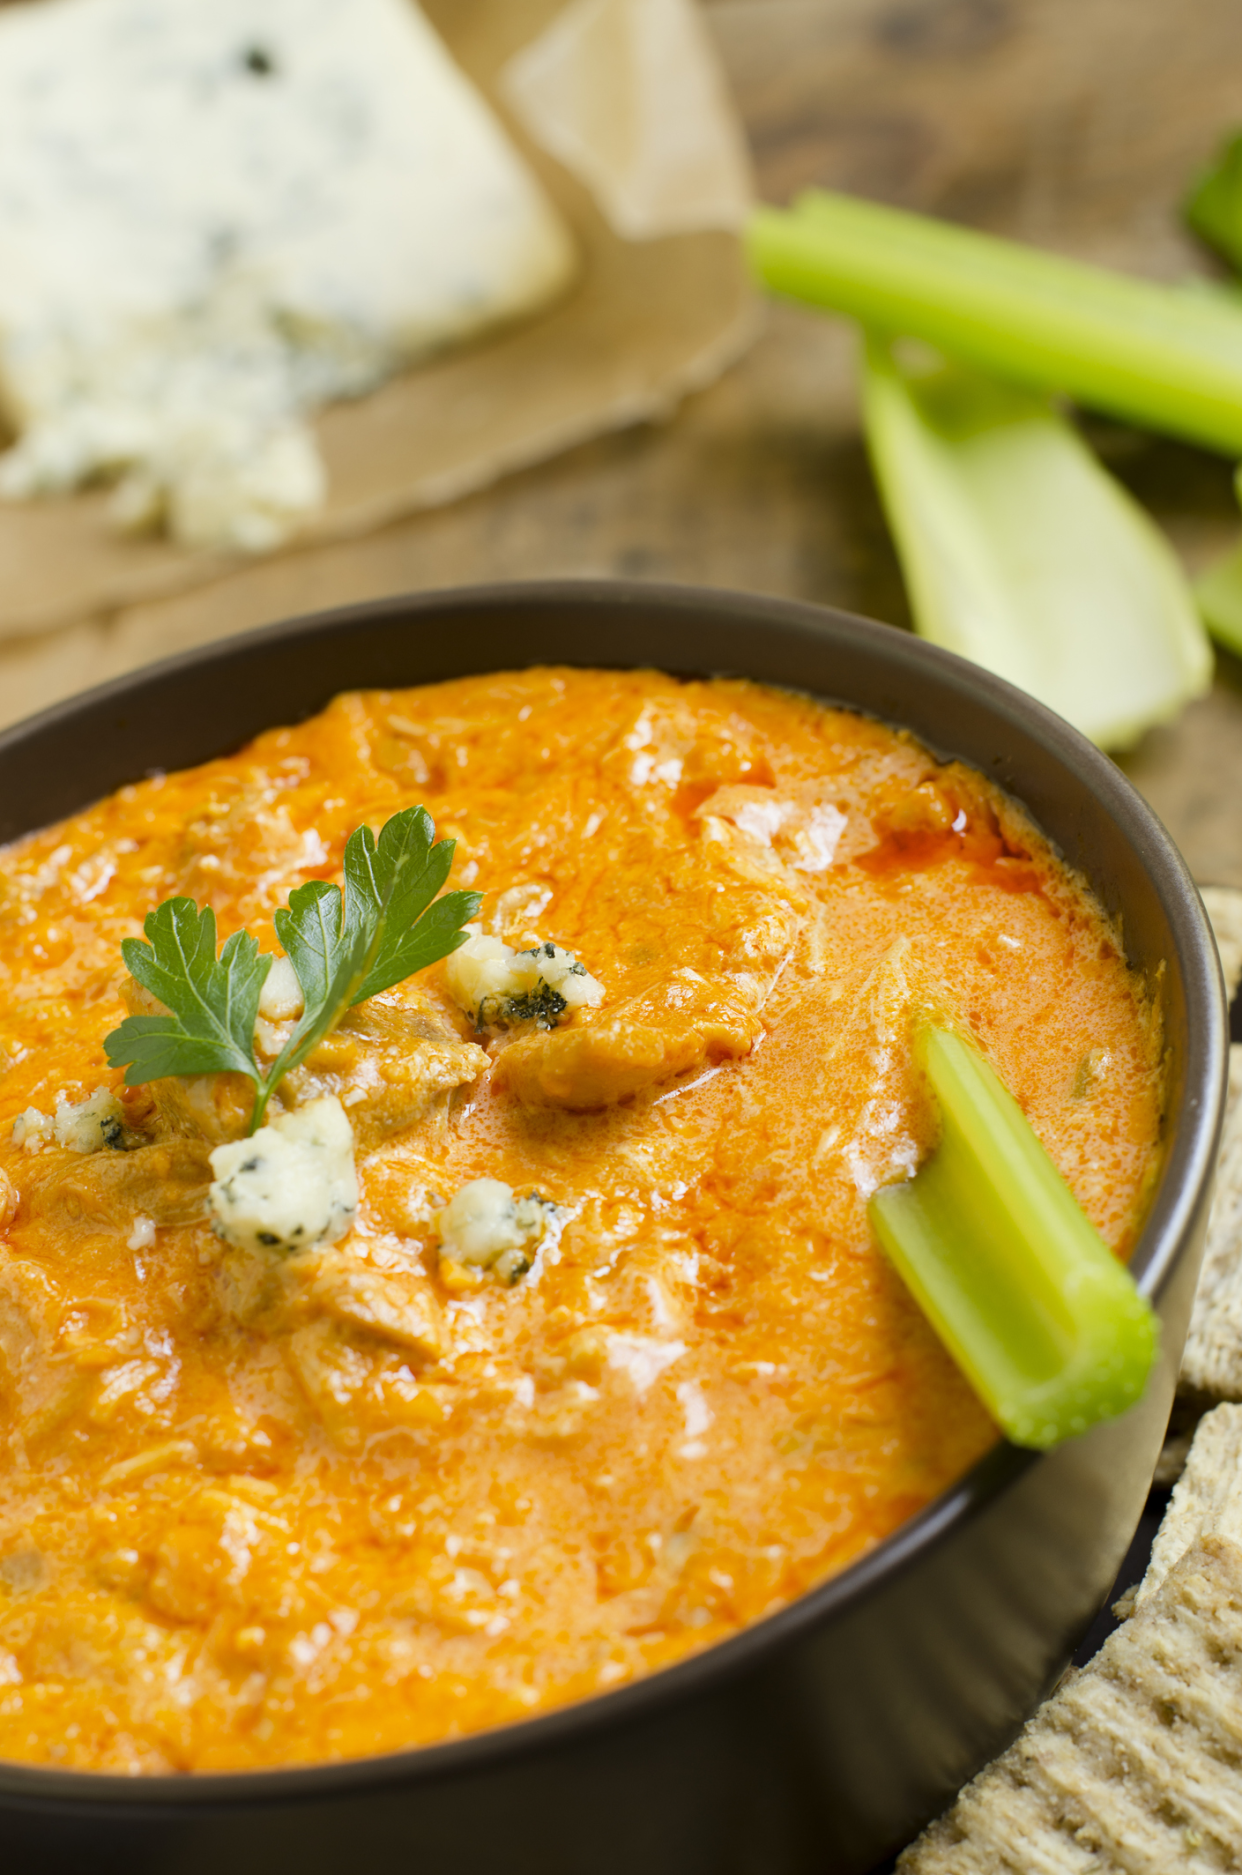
1134	1766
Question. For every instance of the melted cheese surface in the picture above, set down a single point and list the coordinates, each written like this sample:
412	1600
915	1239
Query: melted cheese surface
257	1510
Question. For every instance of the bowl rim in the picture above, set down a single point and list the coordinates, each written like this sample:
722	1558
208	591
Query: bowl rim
1185	1175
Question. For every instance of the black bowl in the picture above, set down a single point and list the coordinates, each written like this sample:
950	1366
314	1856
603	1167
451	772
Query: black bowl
823	1737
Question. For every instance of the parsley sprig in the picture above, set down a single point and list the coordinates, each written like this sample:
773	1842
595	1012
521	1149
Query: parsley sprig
344	948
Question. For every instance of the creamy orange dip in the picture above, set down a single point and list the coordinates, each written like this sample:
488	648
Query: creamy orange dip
261	1508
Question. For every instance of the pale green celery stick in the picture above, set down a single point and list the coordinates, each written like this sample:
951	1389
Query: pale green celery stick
1022	553
1218	592
1161	356
1219	595
1042	1319
1214	206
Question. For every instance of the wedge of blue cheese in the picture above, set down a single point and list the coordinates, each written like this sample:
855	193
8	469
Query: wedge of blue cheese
216	218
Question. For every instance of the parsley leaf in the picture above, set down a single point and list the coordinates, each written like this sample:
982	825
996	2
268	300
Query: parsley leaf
344	951
393	882
214	1000
344	948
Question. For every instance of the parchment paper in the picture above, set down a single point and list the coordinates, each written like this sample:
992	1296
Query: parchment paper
649	320
628	94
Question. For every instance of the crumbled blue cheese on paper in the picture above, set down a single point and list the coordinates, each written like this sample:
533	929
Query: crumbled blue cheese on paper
216	218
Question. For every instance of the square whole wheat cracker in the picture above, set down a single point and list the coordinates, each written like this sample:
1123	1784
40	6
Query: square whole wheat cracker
1207	1499
1212	1357
1134	1766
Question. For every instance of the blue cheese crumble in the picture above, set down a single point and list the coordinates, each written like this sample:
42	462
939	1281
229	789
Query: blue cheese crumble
83	1125
281	998
280	1004
486	1227
291	1185
499	987
214	219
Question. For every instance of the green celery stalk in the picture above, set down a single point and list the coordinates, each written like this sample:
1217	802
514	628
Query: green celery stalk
1022	553
1213	209
1218	591
1165	357
1042	1319
1214	206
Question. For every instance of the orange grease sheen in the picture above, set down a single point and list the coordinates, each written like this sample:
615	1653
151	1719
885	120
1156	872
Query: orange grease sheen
536	1515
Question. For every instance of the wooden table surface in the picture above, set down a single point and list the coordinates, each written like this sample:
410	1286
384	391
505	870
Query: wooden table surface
1074	123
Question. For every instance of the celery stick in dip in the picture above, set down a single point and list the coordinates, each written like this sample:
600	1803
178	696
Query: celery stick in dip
1042	1319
